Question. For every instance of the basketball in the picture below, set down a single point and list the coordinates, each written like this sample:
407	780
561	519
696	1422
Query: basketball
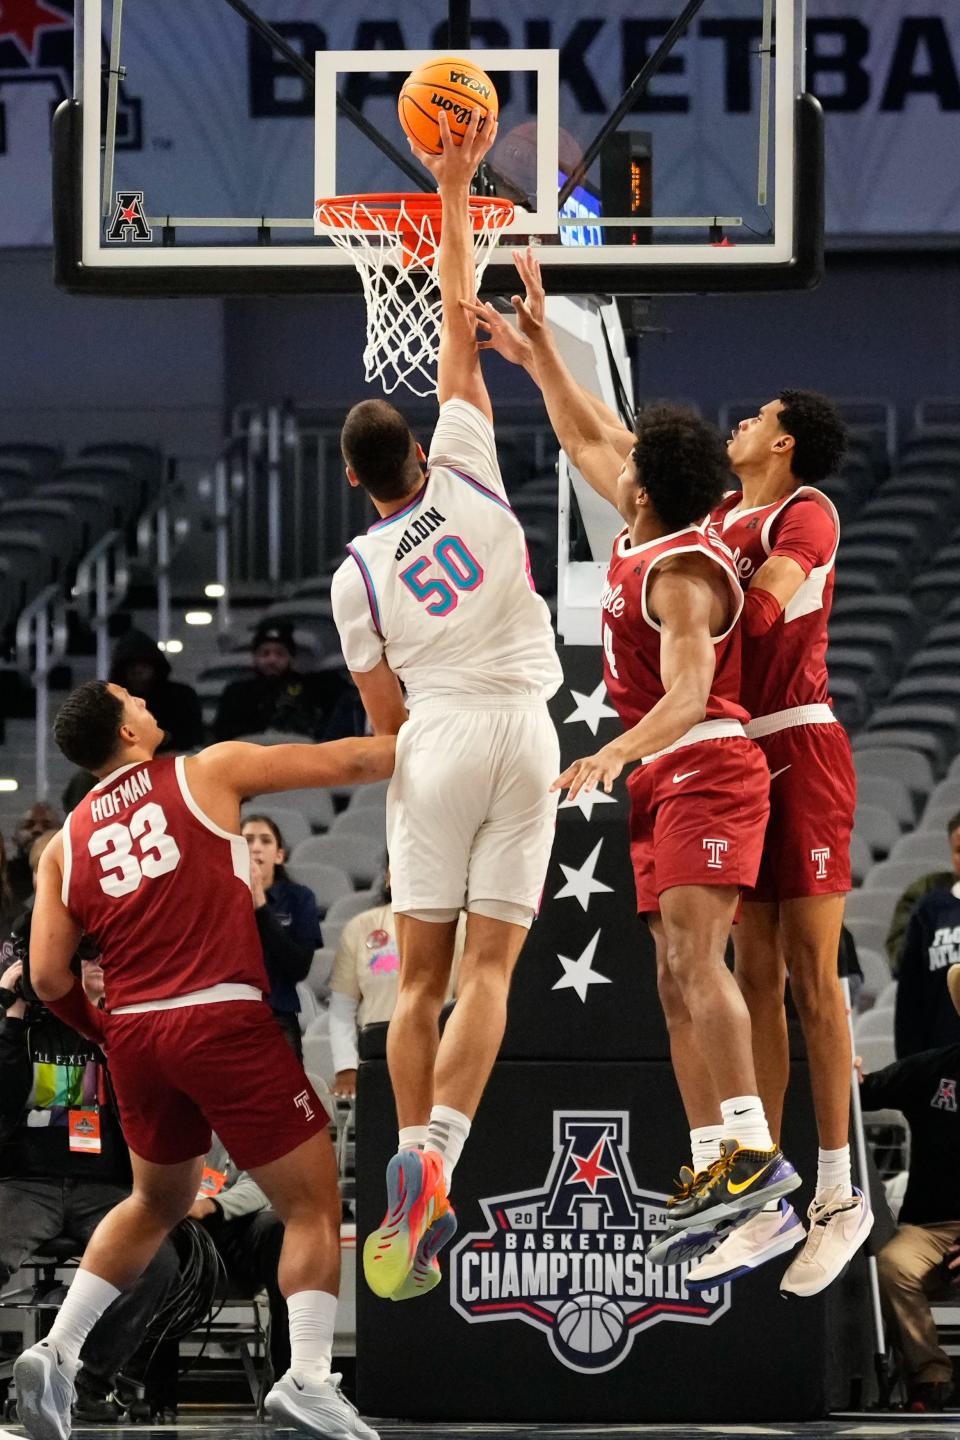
457	86
590	1324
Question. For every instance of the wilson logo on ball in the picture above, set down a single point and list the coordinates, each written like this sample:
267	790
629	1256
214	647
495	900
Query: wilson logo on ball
569	1258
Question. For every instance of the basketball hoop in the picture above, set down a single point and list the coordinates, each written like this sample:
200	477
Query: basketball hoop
392	241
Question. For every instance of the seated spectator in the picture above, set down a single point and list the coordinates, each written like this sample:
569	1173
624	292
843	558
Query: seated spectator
925	1016
248	1236
141	667
288	921
922	1259
64	1165
363	983
33	823
278	697
935	880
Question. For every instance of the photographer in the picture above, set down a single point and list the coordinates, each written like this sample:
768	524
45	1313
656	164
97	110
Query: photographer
63	1160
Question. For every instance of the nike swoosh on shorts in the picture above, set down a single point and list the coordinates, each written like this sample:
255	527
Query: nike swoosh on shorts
782	771
687	776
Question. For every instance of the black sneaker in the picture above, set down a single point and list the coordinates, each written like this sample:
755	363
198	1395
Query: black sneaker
740	1181
929	1396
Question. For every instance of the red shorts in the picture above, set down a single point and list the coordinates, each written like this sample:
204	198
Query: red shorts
813	793
178	1074
697	817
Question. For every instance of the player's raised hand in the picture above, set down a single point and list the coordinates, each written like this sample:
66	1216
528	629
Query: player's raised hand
496	333
584	775
528	267
457	164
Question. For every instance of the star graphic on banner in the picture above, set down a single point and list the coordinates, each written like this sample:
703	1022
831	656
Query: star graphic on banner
586	800
580	883
20	20
579	974
131	212
591	708
589	1170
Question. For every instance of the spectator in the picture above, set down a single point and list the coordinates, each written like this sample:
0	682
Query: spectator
63	1166
925	1016
34	822
278	697
288	921
248	1236
922	1258
8	905
142	668
935	880
363	983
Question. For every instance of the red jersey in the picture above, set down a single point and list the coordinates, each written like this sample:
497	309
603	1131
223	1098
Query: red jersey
631	637
164	891
785	667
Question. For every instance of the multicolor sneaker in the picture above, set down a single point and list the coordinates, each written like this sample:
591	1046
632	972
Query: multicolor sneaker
416	1197
763	1236
677	1244
740	1181
425	1275
838	1227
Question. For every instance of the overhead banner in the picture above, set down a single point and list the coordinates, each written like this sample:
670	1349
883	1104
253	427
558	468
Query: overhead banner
210	113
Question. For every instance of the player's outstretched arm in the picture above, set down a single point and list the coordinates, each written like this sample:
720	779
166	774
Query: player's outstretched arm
242	769
54	934
686	597
497	333
459	376
576	424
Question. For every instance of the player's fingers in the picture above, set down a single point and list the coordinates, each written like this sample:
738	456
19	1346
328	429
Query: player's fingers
443	125
424	156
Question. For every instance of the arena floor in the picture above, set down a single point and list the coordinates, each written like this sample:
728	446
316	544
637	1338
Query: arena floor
852	1428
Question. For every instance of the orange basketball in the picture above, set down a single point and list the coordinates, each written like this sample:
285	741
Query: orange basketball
457	86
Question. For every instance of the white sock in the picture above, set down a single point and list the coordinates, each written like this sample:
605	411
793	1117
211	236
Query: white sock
312	1314
85	1302
447	1134
833	1170
705	1145
744	1120
412	1137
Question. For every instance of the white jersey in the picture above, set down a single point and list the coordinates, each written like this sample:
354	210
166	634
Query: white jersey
442	588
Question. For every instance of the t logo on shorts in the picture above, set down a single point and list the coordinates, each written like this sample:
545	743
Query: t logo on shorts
715	848
820	857
302	1102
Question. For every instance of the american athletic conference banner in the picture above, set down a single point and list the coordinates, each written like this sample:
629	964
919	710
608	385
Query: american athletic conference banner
227	129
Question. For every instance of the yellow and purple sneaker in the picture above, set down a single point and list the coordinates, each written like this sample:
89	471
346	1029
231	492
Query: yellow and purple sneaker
416	1198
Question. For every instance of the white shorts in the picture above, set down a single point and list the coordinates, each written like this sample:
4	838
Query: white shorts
470	815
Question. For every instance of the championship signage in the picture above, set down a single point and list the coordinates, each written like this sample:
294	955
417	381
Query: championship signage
569	1257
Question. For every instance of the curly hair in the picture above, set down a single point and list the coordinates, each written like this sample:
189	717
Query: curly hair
820	436
681	462
87	725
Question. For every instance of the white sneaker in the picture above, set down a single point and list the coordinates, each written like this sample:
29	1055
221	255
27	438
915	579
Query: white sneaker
320	1408
838	1227
45	1393
767	1234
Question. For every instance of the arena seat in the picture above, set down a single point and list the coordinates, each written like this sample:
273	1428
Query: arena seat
858	662
868	934
364	820
927	847
873	904
877	827
873	1024
883	558
920	742
894	875
849	700
925	689
892	610
363	857
293	826
56	520
369	797
320	968
857	580
327	882
933	660
860	859
38	460
876	1052
343	910
315	806
890	793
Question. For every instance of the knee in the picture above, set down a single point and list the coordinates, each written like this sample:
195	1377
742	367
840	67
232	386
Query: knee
761	986
424	986
814	984
167	1208
675	1011
485	972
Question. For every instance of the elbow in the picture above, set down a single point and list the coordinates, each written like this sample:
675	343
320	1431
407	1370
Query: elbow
46	987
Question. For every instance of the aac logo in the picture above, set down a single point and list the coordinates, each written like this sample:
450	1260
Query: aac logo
569	1258
129	222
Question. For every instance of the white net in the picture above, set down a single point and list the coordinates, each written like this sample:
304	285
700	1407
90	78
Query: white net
392	241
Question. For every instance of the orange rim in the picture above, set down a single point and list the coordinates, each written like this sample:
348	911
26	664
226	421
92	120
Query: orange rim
404	212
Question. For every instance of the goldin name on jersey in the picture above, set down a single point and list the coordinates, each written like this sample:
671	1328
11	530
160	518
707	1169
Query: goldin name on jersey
570	1258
